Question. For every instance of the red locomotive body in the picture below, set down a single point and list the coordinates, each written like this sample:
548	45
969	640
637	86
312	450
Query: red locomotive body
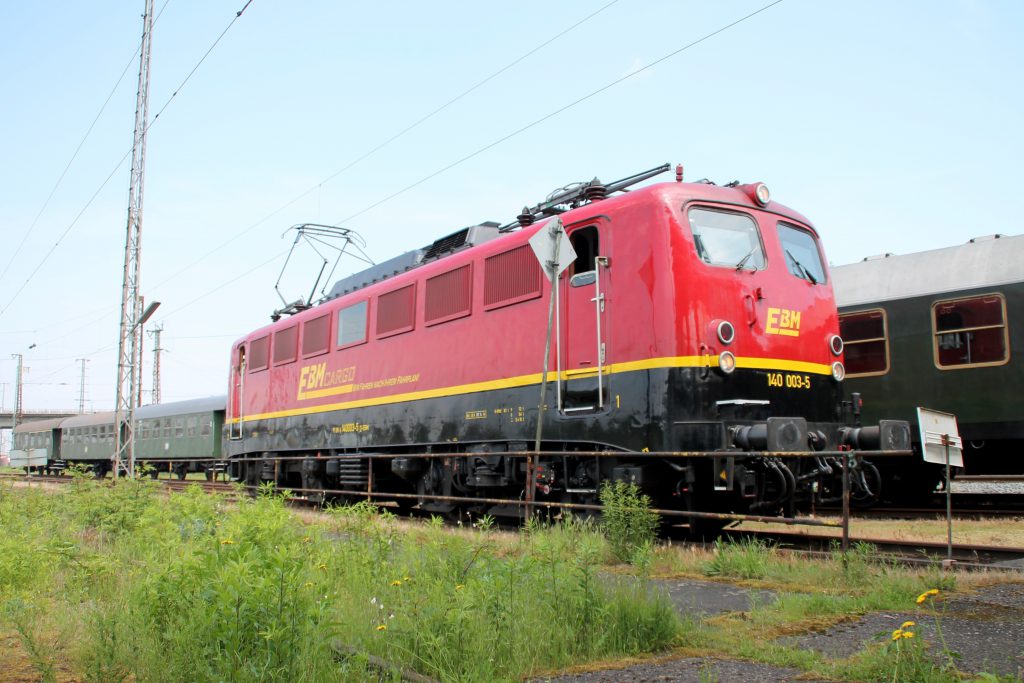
694	318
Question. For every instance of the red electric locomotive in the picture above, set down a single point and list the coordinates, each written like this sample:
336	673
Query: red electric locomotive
694	318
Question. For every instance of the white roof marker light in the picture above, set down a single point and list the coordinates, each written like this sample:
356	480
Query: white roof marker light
761	194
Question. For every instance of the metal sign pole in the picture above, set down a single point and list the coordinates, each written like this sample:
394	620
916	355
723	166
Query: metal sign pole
949	502
941	445
531	478
846	503
554	258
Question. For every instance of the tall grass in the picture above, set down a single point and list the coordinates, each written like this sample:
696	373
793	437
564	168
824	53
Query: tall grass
135	585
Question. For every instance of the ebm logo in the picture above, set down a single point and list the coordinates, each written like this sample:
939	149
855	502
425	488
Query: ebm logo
783	321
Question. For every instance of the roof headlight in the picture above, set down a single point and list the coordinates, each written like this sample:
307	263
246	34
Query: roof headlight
726	362
838	371
761	194
835	344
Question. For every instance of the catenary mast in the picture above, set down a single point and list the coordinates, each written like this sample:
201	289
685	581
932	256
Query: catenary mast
129	356
156	363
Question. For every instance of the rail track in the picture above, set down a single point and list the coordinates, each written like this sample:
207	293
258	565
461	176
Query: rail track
902	551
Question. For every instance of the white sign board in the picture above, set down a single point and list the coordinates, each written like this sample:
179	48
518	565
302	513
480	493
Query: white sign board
32	457
548	241
937	427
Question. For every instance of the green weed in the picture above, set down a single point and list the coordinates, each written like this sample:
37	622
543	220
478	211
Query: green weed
628	522
748	558
146	587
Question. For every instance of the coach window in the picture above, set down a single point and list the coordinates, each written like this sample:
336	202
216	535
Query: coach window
866	342
970	332
167	427
352	325
800	249
726	239
190	427
205	427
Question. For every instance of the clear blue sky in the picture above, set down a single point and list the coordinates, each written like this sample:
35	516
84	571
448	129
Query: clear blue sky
894	126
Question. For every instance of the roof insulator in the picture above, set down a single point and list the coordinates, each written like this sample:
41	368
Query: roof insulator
525	218
595	191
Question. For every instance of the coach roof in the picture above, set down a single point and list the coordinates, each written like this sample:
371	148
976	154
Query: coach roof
207	404
982	262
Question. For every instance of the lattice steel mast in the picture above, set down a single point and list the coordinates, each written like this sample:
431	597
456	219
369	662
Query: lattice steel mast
129	363
81	387
156	362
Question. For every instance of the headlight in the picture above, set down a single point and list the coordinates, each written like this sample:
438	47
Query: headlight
726	362
838	371
726	332
835	344
762	195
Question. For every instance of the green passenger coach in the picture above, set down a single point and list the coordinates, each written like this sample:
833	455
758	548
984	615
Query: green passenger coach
37	445
89	439
941	329
176	436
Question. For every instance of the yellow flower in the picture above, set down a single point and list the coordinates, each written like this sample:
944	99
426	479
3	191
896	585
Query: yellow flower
382	627
907	624
396	582
227	541
322	566
908	634
308	584
897	634
307	539
459	587
406	578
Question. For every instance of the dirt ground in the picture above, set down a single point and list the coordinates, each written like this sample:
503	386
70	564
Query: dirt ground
984	630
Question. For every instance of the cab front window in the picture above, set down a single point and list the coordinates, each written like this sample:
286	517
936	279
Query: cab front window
726	239
801	251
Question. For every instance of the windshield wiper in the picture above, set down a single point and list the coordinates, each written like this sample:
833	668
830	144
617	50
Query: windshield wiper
806	273
743	260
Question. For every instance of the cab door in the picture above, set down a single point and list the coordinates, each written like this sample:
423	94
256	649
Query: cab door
583	322
237	404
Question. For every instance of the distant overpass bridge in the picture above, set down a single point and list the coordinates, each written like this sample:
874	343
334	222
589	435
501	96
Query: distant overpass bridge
7	417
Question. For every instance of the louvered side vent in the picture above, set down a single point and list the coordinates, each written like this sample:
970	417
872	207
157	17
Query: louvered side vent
259	354
449	295
316	335
285	347
511	277
396	311
446	244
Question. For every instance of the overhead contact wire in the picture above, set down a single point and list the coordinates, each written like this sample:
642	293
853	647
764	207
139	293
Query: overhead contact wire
391	139
555	113
238	14
78	149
